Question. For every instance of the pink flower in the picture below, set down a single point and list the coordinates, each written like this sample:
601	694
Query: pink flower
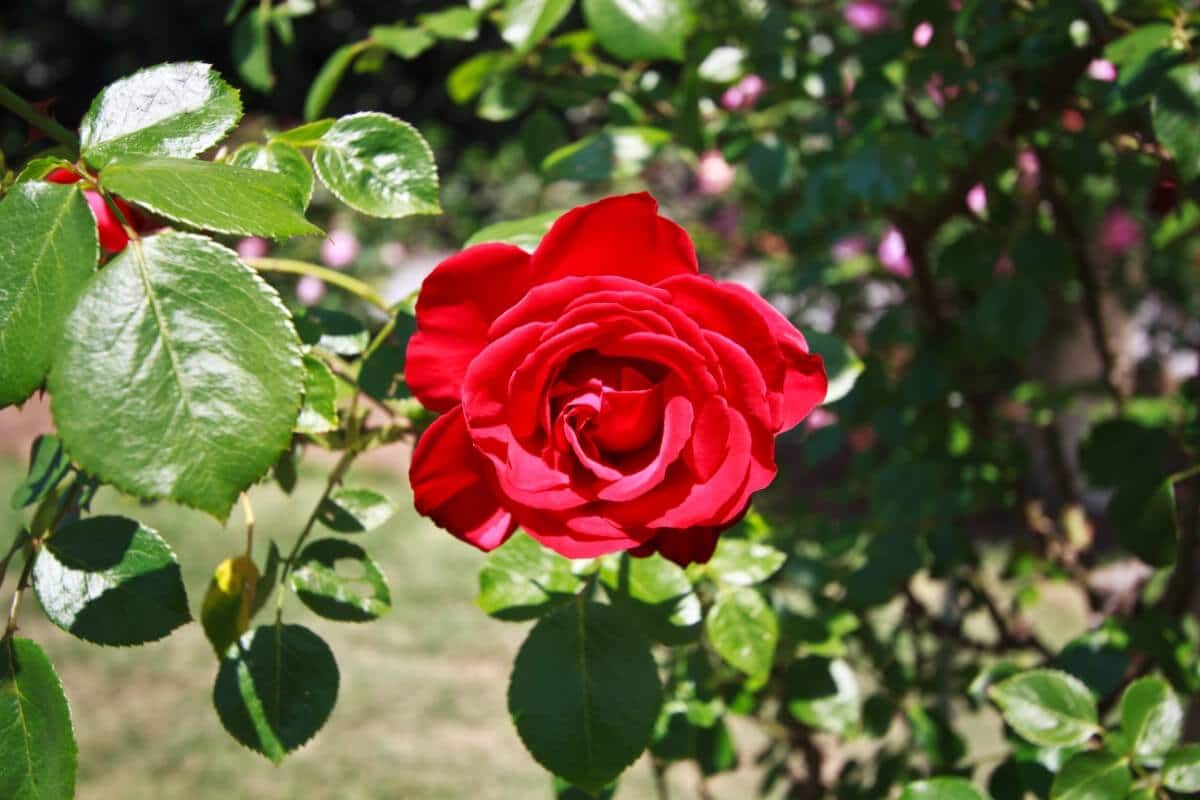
977	200
714	175
849	247
1029	171
938	91
393	254
309	290
893	253
1102	70
866	16
821	418
1073	120
253	247
1005	267
1120	232
923	34
732	99
744	94
339	249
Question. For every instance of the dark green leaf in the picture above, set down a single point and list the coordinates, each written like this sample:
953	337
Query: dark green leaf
1094	775
613	153
640	29
738	562
468	79
48	465
1176	114
584	693
110	580
327	80
525	233
743	630
379	166
563	790
402	40
1181	770
180	374
276	687
48	248
541	134
280	158
528	22
942	789
37	742
1047	707
321	579
336	331
381	375
252	51
213	197
266	583
824	693
522	580
1112	446
657	594
351	510
677	738
1151	719
1143	515
176	110
319	412
504	96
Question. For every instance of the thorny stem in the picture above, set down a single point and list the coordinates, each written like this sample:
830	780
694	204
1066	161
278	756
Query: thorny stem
292	267
23	109
22	585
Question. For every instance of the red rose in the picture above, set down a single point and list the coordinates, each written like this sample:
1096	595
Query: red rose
600	393
108	226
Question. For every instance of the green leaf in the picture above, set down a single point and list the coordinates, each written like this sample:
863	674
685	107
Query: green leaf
942	789
541	134
656	594
48	465
584	693
504	96
525	233
381	375
327	80
677	738
351	510
1151	719
378	165
275	688
280	158
1113	445
1176	110
459	23
266	583
612	153
1094	775
743	630
320	579
401	40
176	110
318	414
528	22
824	693
640	29
48	248
1047	707
110	580
37	742
842	364
305	135
213	197
1181	770
252	50
225	614
468	79
336	331
1143	515
179	375
738	562
522	580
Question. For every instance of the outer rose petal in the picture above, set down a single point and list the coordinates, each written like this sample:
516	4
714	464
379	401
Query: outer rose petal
687	546
619	236
449	485
458	303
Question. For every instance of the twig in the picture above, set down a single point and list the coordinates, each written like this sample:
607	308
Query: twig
22	585
248	513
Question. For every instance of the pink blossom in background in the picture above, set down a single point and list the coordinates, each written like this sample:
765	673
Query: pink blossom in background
923	34
1120	232
714	175
866	16
393	254
977	199
1102	70
253	247
821	418
849	247
1029	171
744	94
309	290
861	438
1072	120
938	91
339	249
1005	267
893	253
732	99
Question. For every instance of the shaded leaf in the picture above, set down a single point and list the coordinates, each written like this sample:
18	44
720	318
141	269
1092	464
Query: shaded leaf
1181	770
738	562
824	693
1094	775
37	741
354	510
48	465
320	579
743	630
522	580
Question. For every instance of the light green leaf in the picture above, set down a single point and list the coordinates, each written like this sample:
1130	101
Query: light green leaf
179	375
279	158
378	165
640	29
825	694
110	580
213	197
656	593
1181	770
327	80
305	135
1176	111
528	22
613	153
252	50
37	742
1143	515
842	365
1094	775
351	510
48	248
275	688
318	414
460	23
176	110
1151	719
48	465
504	96
1047	707
585	693
468	79
525	233
738	562
401	40
743	630
942	789
522	580
338	580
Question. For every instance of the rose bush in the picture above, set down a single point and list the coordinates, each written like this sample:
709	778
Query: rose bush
600	393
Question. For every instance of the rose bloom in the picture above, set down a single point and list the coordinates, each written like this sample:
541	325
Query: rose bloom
600	393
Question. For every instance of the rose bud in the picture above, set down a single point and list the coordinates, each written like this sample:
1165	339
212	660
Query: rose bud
600	392
108	226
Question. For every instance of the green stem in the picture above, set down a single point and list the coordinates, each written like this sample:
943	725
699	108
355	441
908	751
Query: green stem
293	267
1184	474
19	106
